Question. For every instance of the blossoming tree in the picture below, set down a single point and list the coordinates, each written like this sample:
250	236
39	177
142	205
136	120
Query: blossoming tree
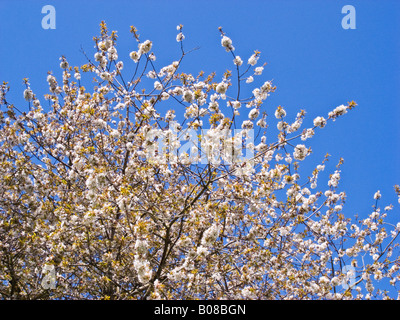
136	191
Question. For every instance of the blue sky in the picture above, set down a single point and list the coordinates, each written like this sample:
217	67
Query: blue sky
315	63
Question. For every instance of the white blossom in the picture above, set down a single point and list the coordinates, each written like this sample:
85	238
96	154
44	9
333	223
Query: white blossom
253	114
280	113
135	56
300	152
258	71
319	122
253	59
28	94
180	37
249	79
226	42
238	61
145	47
210	235
221	87
188	96
247	124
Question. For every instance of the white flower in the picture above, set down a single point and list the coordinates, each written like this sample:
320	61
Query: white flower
266	87
141	246
112	50
28	94
135	56
249	79
112	54
180	37
313	185
324	280
151	74
338	208
221	87
158	85
253	114
378	275
300	152
145	47
210	235
120	65
335	281
142	267
64	64
100	123
152	56
306	134
328	193
119	106
188	96
51	80
213	106
236	105
115	134
98	56
169	115
247	124
284	231
338	111
227	43
36	103
202	251
281	125
105	45
342	109
106	76
164	96
334	179
196	124
377	195
319	122
238	61
374	215
253	59
280	113
258	71
288	158
262	123
248	294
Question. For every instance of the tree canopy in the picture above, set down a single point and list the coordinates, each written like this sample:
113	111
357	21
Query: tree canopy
159	184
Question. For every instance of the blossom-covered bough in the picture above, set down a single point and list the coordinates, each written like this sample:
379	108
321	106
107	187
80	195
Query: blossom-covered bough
138	191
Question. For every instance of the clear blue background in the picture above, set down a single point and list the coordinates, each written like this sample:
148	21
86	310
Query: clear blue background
315	63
